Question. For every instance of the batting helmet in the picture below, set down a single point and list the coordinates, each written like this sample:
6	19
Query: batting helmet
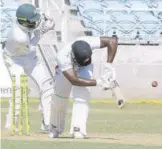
27	15
81	53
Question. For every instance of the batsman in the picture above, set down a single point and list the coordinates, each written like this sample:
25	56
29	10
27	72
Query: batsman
76	71
20	57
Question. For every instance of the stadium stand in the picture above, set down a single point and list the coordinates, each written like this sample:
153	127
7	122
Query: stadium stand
126	18
129	20
138	28
7	18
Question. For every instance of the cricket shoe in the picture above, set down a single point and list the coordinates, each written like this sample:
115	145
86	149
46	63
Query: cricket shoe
9	121
8	127
53	133
44	127
8	124
77	134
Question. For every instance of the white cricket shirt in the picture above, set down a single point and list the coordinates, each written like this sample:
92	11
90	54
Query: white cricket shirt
19	41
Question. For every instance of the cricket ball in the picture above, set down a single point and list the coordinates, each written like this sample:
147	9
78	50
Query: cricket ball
154	84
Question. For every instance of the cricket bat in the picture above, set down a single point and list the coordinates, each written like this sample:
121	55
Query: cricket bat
118	96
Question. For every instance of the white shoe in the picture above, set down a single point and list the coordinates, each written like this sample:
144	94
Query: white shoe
54	133
9	129
77	134
44	128
8	126
8	123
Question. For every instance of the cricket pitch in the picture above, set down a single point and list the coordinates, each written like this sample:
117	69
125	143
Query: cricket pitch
135	126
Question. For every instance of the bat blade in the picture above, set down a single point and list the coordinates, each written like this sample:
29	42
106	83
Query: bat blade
118	96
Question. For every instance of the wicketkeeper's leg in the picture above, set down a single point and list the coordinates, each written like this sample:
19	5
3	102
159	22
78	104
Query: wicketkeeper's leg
45	83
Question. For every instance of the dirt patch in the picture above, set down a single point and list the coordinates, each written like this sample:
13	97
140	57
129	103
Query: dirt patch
131	139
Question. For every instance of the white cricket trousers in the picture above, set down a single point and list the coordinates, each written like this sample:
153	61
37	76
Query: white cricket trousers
81	96
29	65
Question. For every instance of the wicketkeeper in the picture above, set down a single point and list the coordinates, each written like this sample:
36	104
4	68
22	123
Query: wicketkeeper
75	70
20	57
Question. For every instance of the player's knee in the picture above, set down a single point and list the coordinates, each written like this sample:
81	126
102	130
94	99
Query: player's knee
47	93
47	88
47	84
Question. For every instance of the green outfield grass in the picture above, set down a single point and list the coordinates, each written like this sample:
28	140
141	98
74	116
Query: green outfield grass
135	126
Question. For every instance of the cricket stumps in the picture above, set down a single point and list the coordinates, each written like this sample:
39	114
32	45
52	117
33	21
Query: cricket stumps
23	104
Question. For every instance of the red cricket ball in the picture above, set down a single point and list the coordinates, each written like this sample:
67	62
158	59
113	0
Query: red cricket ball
154	84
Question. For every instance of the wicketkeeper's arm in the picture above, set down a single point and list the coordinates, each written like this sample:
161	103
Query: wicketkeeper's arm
45	25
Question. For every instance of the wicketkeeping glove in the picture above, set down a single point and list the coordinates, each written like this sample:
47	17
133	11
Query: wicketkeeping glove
47	24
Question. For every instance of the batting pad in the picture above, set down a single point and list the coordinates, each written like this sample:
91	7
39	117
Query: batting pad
59	107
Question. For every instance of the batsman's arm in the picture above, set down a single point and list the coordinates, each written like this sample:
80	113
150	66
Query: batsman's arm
111	43
79	81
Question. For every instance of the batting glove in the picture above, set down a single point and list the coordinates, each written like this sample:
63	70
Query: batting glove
104	83
108	69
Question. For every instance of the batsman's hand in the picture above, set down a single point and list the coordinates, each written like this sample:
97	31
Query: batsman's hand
104	82
103	86
47	24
